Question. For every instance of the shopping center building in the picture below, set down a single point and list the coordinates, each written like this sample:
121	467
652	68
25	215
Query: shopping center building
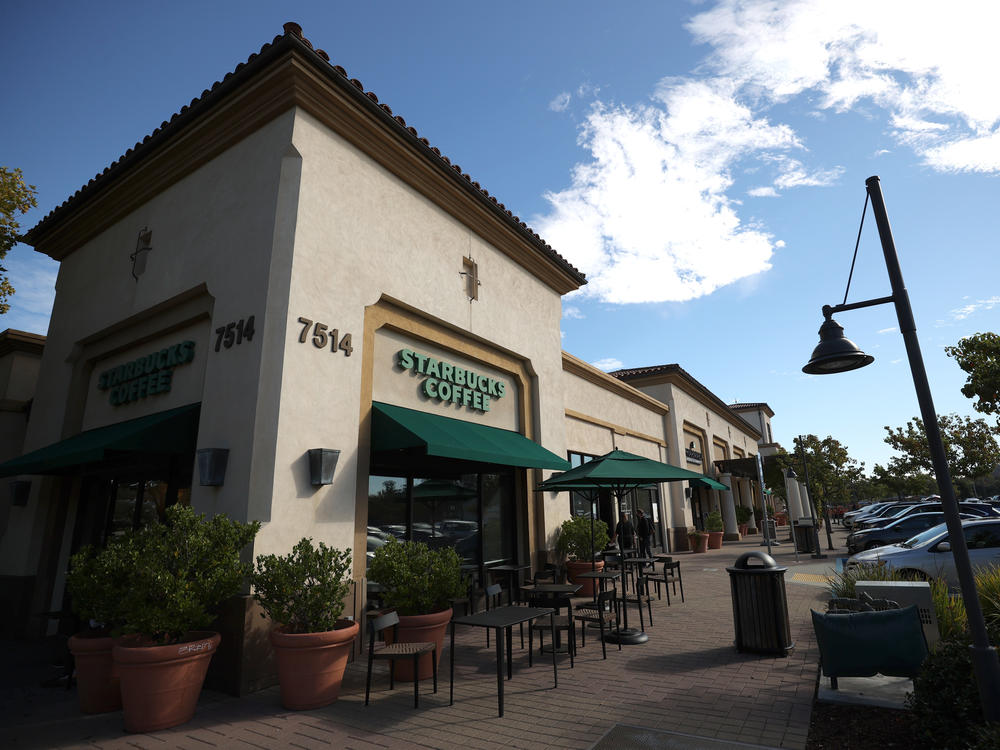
285	305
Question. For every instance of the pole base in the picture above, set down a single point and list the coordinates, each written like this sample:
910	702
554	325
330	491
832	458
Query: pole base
626	637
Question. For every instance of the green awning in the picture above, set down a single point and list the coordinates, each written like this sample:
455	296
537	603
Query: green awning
706	481
397	428
171	431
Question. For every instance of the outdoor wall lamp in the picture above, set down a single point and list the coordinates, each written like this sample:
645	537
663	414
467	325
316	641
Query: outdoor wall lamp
19	491
835	353
212	466
322	465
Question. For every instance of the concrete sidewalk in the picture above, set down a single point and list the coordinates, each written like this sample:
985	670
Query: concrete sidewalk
688	680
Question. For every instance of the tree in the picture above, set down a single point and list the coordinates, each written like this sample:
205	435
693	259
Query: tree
832	470
15	198
969	446
979	356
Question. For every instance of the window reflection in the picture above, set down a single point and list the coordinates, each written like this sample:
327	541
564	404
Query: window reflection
463	513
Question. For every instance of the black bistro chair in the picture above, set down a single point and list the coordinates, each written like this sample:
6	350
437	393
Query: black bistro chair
391	652
604	612
563	622
640	597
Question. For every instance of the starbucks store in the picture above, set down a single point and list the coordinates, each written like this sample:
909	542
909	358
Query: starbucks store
285	305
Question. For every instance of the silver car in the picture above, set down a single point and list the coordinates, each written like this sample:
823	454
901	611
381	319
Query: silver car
928	554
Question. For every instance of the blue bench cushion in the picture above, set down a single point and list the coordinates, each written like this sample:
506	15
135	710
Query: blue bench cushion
863	644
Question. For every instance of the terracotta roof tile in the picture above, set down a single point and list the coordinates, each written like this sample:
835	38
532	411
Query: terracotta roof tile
179	119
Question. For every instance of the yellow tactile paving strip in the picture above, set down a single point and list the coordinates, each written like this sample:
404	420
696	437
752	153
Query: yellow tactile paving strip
815	579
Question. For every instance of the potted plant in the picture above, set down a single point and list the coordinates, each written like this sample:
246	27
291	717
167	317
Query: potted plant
714	527
698	540
743	516
303	593
178	572
95	590
419	583
576	543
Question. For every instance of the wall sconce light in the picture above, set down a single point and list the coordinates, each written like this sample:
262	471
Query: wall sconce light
19	491
322	465
212	466
143	245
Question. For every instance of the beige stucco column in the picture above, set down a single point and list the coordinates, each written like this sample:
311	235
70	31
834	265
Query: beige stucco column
732	531
748	500
794	502
807	510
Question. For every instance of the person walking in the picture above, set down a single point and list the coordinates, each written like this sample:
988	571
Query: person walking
643	530
624	533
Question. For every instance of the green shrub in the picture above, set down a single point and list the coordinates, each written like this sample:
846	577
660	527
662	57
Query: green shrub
842	584
97	584
416	579
945	700
743	514
304	590
713	521
177	572
950	610
988	587
575	540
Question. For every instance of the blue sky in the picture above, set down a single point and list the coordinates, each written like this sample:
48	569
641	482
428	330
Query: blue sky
702	162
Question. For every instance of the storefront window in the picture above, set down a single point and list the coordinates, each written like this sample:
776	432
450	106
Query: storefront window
498	517
459	513
446	514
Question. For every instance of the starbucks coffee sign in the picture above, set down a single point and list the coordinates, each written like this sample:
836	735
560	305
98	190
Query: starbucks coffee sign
146	376
449	383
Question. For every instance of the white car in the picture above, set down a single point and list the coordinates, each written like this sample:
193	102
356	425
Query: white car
928	554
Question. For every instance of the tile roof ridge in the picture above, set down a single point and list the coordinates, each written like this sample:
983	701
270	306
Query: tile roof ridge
292	30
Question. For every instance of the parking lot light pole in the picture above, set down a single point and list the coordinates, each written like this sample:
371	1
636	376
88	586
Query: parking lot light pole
835	353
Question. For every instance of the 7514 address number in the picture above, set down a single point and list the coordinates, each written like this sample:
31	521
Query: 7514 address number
323	335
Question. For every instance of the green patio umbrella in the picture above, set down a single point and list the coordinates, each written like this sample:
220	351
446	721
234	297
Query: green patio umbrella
622	472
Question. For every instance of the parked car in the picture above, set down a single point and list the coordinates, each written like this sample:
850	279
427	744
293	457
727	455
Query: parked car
851	515
928	554
886	511
896	531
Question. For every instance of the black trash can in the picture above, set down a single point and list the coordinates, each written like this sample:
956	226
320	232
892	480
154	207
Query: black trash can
803	530
760	608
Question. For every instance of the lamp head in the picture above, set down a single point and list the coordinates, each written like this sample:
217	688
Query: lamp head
835	352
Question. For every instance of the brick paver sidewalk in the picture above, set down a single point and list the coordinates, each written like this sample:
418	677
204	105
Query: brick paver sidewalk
688	678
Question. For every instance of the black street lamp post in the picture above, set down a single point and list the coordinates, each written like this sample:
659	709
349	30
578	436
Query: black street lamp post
835	353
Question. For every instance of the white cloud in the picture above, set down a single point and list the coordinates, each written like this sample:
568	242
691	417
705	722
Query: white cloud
650	214
940	96
961	313
890	329
570	311
33	276
647	218
560	103
608	364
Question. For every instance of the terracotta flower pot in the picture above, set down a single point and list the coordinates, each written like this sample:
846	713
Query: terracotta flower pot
98	691
311	665
161	684
744	528
575	567
715	539
698	543
421	629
